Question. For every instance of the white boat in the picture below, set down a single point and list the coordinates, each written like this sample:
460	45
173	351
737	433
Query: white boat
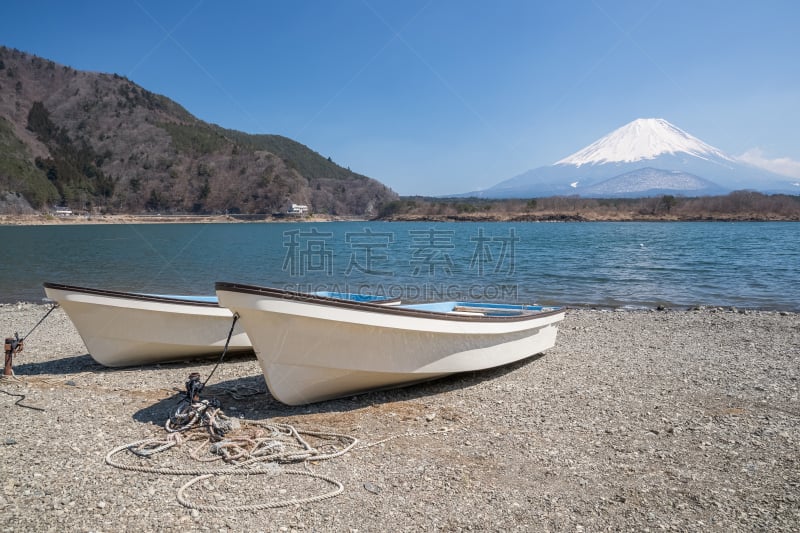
126	329
313	348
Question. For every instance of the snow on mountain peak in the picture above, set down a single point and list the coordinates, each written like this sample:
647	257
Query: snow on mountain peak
644	138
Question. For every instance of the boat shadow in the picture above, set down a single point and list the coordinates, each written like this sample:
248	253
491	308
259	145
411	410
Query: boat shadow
67	367
248	397
59	367
77	364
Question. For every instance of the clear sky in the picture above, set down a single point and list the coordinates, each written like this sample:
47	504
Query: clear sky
445	96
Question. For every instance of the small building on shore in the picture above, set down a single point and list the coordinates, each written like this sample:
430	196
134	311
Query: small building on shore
298	210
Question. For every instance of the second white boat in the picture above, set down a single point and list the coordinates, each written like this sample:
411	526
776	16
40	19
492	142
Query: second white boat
313	348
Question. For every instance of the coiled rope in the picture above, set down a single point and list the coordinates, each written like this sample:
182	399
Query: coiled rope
247	447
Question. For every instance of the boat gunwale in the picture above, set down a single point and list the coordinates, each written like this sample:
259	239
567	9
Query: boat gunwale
131	295
385	301
288	295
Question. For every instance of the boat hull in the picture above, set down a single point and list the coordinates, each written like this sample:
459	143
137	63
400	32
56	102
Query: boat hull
311	349
125	329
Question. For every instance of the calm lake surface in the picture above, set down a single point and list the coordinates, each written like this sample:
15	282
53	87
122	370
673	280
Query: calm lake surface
745	264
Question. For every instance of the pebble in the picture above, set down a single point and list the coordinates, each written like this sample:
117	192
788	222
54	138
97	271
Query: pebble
370	487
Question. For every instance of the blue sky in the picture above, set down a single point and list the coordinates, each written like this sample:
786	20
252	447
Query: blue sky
444	96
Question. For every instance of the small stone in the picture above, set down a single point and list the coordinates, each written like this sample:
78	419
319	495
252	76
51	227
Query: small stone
9	442
371	488
429	417
101	505
195	513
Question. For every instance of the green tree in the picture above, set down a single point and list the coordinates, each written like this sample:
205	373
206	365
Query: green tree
39	122
668	202
155	202
205	190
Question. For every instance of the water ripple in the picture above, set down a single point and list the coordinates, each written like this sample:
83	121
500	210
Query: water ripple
752	265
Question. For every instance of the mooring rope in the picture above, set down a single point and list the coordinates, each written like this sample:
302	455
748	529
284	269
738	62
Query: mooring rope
246	447
258	448
267	505
40	321
224	350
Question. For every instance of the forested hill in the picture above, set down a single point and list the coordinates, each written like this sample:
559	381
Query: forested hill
99	142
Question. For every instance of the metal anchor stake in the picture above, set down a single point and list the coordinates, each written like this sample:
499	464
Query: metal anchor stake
12	345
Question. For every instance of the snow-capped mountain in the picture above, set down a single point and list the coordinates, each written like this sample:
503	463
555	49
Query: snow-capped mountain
644	138
646	157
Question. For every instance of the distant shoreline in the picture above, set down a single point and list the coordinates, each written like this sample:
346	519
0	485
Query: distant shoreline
43	220
50	220
560	217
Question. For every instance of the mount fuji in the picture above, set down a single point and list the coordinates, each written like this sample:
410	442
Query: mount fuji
647	157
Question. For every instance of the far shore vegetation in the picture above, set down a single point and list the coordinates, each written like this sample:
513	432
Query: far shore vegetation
738	205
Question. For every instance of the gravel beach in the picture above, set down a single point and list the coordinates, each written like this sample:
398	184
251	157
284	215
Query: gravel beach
636	420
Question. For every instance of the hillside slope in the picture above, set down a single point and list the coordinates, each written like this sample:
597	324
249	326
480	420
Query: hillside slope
100	142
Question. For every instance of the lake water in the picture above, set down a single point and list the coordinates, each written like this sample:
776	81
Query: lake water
749	265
